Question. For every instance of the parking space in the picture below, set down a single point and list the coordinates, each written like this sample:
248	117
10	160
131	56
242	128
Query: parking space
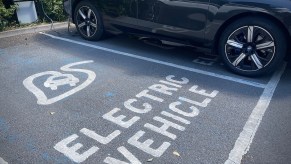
66	100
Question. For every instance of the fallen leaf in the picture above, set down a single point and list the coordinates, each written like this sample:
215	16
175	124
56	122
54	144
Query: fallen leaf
150	160
176	154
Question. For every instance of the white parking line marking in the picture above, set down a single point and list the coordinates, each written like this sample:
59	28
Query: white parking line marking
234	79
2	161
246	137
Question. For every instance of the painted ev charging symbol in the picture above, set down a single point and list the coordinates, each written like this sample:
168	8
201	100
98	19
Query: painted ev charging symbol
53	83
57	79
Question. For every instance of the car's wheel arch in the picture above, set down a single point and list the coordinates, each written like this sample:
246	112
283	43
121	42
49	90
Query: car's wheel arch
252	14
252	46
76	2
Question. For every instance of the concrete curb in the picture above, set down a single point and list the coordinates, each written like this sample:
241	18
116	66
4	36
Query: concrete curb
33	29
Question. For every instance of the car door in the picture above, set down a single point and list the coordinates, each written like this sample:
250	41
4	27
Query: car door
180	18
146	15
147	10
119	13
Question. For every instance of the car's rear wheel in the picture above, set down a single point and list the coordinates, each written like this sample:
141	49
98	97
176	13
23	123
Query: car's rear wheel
88	21
252	46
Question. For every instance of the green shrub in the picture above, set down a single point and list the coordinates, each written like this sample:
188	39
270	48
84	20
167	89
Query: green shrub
6	16
53	8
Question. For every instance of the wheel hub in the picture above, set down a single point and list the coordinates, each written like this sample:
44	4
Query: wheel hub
87	21
249	50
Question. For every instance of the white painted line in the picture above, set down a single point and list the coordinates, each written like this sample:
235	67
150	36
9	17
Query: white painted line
246	137
238	80
2	161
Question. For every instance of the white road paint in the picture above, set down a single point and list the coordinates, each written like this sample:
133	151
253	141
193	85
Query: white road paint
246	137
145	93
54	81
42	97
145	146
169	83
146	109
193	113
183	81
203	104
131	158
99	138
162	89
175	117
164	128
119	120
229	78
71	152
2	161
165	125
202	92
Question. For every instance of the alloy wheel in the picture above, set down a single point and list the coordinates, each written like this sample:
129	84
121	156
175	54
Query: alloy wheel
87	22
250	48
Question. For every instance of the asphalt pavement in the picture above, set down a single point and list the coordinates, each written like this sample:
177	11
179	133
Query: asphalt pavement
119	100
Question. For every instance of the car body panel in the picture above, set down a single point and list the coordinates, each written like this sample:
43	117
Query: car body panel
118	12
223	10
181	19
196	22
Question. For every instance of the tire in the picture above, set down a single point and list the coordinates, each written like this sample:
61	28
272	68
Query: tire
252	46
88	21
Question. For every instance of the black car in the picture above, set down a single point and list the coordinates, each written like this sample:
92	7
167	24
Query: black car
251	36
